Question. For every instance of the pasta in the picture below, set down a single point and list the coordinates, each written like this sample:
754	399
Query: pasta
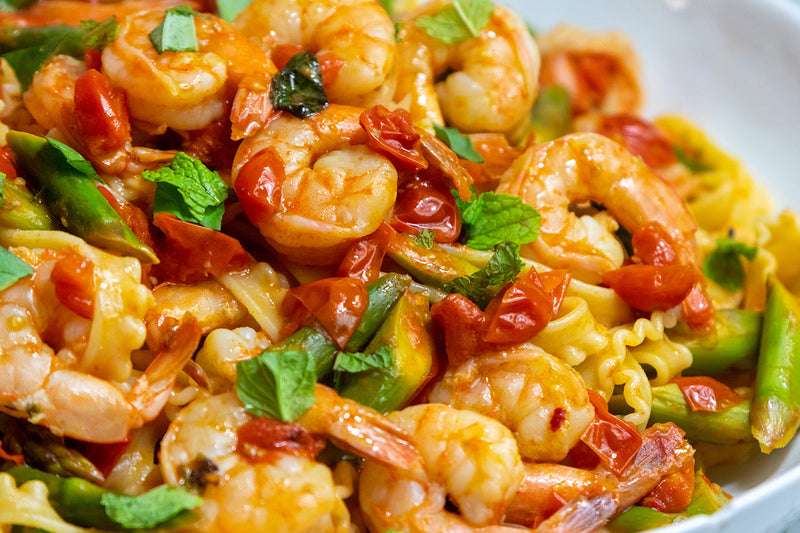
370	267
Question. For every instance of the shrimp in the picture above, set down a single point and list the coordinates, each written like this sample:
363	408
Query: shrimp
333	189
72	12
600	71
50	372
542	400
484	84
190	90
282	489
472	458
354	40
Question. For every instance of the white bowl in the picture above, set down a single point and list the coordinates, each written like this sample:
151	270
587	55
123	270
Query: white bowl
733	68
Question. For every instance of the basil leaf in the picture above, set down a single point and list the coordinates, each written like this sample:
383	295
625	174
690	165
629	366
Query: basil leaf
460	144
298	88
190	191
724	264
459	21
150	509
98	35
176	31
228	9
12	268
26	61
277	384
74	159
483	285
425	238
355	362
551	113
490	219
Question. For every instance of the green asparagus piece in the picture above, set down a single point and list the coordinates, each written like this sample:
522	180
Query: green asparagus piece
551	113
724	427
72	197
383	295
20	210
430	266
17	37
321	348
775	414
735	346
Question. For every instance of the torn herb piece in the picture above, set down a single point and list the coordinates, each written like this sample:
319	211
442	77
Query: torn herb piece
176	32
483	285
12	268
98	35
298	88
26	61
150	509
458	143
724	264
490	219
459	21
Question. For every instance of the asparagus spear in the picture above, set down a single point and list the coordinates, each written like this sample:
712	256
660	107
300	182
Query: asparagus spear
384	293
20	210
321	348
775	414
17	37
72	197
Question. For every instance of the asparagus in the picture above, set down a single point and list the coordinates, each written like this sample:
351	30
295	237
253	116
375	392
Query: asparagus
20	210
17	37
383	295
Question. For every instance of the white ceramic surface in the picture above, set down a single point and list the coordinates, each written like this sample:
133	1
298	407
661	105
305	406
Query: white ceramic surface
733	67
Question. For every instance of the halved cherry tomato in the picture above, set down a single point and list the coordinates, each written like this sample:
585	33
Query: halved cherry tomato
364	257
258	185
424	204
641	138
7	165
650	287
338	304
674	492
135	218
260	436
653	245
703	393
464	326
73	280
101	112
104	456
556	283
93	58
613	439
697	310
191	252
392	134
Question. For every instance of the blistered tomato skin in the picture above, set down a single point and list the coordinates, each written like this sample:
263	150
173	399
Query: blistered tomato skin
258	185
101	112
425	205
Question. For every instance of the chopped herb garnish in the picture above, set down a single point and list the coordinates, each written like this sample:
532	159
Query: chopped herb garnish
176	32
228	9
460	144
355	362
74	159
459	21
483	285
12	268
150	509
98	35
298	88
26	61
724	264
490	219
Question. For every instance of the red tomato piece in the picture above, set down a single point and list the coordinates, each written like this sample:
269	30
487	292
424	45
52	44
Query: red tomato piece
698	311
674	492
423	204
639	137
556	282
282	53
191	252
338	304
653	246
650	287
135	218
703	393
73	279
101	112
464	326
392	134
497	155
364	257
614	440
7	165
264	439
258	185
104	456
93	58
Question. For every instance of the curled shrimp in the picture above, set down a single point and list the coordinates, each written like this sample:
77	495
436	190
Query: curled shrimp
329	189
468	457
484	84
72	12
61	365
354	40
282	489
191	90
542	400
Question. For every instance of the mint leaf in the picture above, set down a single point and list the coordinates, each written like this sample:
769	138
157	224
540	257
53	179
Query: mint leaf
355	362
460	144
483	285
228	9
724	264
490	219
12	268
150	509
459	21
26	61
425	238
190	191
98	35
74	159
551	114
176	31
297	88
277	384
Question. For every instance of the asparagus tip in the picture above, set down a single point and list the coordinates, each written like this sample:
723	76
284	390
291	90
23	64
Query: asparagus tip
773	422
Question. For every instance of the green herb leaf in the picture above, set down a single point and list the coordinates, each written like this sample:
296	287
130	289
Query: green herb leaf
13	5
277	384
425	238
397	27
297	88
684	159
26	61
150	509
190	191
98	35
2	187
74	159
490	219
176	32
388	6
551	113
459	21
483	285
724	264
12	268
460	144
355	362
228	9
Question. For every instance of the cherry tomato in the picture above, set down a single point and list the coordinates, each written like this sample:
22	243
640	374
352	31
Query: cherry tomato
613	439
364	257
423	204
104	456
520	312
703	393
556	283
93	58
653	245
264	439
135	218
641	138
674	492
101	112
698	311
73	278
392	134
650	287
7	165
463	325
258	185
497	156
338	304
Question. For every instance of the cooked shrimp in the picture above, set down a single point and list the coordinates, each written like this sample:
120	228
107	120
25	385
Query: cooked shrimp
356	37
280	491
484	84
600	71
542	400
72	12
333	190
470	458
190	90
